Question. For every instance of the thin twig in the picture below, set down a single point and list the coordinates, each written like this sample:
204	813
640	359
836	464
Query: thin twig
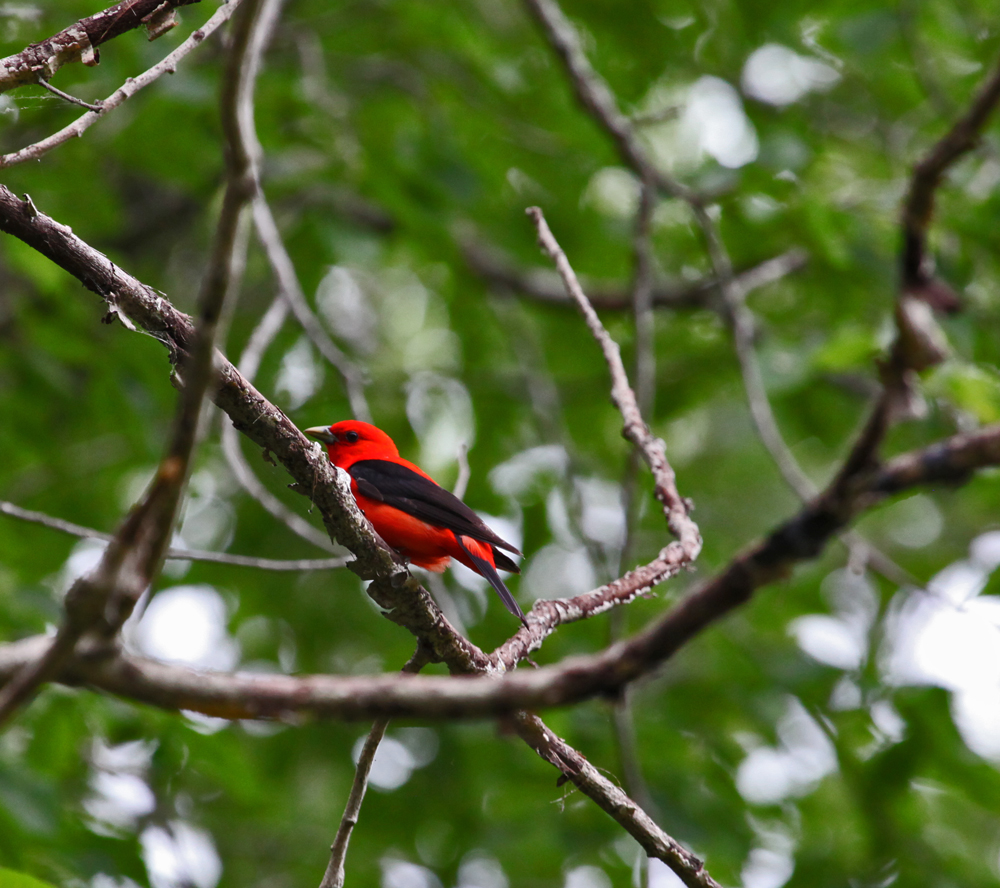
742	324
195	372
128	89
622	720
261	338
599	100
544	285
172	554
335	872
292	292
73	100
248	364
596	97
635	428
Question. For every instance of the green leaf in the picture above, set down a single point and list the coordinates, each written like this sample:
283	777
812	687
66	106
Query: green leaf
972	388
850	347
12	879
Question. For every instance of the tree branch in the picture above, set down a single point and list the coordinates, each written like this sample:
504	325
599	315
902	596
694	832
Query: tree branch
79	42
402	598
335	872
918	206
635	429
131	86
133	559
596	97
249	362
543	285
291	291
612	800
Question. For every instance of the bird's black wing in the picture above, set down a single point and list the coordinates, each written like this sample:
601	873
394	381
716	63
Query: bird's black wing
403	489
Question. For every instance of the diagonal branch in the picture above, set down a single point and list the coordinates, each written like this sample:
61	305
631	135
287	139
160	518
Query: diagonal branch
335	872
635	428
596	97
128	89
291	291
79	42
611	799
918	206
249	361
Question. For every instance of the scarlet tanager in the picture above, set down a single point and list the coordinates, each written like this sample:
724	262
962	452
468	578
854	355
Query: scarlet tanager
422	521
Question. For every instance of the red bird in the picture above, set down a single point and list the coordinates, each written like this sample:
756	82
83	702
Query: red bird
421	520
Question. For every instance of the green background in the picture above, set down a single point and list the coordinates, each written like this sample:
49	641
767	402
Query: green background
393	132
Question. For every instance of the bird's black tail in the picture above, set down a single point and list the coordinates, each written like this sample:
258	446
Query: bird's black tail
490	572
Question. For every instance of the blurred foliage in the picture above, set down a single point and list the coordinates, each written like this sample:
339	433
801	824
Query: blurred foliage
393	133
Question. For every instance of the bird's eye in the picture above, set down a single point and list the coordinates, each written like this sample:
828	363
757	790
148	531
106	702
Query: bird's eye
351	437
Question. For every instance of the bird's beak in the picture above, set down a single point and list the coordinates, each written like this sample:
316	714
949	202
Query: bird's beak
320	433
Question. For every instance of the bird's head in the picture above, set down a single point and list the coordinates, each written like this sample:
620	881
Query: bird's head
351	440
